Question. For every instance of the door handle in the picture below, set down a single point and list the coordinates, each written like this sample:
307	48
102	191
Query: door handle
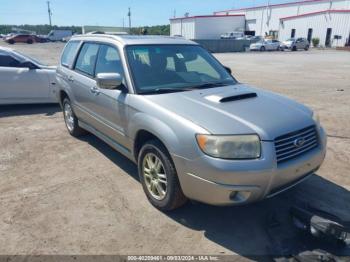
94	90
70	78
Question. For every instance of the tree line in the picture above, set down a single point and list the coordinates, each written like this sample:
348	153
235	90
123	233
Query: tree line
45	29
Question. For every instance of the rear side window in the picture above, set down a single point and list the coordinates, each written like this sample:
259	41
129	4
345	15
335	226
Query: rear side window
69	54
87	59
8	61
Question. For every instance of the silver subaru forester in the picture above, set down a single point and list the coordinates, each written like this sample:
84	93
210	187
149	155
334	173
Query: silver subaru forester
194	131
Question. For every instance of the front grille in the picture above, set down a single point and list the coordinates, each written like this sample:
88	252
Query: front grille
294	144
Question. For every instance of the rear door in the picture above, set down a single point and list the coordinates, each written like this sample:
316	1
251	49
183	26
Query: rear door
275	44
300	43
21	84
82	82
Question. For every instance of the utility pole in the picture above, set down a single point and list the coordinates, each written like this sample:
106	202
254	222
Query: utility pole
49	11
129	15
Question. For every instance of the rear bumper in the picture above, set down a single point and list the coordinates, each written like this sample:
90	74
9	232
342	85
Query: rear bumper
225	182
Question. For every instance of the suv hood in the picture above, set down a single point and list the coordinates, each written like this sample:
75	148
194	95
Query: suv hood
237	109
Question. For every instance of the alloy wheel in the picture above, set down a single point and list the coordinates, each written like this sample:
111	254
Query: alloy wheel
68	116
155	176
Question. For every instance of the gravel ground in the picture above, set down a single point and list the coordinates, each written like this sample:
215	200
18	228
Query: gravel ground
61	195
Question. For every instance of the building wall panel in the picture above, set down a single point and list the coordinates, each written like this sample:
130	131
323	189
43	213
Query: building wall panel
339	22
214	27
268	17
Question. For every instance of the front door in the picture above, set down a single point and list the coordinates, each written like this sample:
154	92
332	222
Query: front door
21	84
109	105
292	34
309	35
328	42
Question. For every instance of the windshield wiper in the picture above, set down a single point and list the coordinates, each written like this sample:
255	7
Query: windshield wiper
164	91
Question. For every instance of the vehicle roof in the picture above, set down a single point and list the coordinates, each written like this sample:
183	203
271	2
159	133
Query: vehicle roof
6	50
136	39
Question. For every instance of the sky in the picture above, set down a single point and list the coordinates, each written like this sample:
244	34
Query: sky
112	12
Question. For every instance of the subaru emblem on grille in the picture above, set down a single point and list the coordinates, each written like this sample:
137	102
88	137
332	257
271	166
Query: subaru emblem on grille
299	142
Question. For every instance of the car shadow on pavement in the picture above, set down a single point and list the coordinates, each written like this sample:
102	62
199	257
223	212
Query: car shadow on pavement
264	229
118	159
22	110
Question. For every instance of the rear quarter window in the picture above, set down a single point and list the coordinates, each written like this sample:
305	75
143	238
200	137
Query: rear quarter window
69	53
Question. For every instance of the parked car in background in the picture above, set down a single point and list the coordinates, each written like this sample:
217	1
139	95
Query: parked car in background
266	45
254	38
40	39
23	80
58	35
20	38
194	131
66	39
232	35
295	43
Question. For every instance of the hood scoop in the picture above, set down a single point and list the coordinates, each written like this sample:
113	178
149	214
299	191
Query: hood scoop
236	97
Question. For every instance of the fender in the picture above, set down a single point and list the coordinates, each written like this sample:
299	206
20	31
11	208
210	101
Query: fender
142	121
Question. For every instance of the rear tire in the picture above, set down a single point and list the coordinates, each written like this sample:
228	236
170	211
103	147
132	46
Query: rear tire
29	41
262	49
306	48
159	181
11	42
294	48
71	120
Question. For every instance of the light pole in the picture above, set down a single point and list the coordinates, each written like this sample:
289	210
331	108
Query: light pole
49	12
129	15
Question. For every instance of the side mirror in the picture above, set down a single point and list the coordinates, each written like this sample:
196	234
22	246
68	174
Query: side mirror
27	64
228	70
109	80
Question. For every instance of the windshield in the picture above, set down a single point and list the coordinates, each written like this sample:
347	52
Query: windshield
174	68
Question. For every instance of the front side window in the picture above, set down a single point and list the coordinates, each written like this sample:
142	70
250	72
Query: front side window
174	67
108	61
87	58
69	52
8	61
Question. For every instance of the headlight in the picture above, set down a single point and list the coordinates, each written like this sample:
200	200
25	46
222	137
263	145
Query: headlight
230	147
316	118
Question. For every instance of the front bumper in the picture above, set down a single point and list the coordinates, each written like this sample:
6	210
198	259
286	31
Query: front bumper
234	182
286	47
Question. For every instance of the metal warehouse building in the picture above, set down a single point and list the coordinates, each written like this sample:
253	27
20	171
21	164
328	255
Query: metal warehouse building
329	20
206	27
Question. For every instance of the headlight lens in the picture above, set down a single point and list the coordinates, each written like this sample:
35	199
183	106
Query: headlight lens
316	118
230	147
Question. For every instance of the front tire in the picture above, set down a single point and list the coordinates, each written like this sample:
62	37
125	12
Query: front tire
159	178
294	48
262	49
306	48
71	120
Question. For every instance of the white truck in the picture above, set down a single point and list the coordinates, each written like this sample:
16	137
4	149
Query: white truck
58	35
